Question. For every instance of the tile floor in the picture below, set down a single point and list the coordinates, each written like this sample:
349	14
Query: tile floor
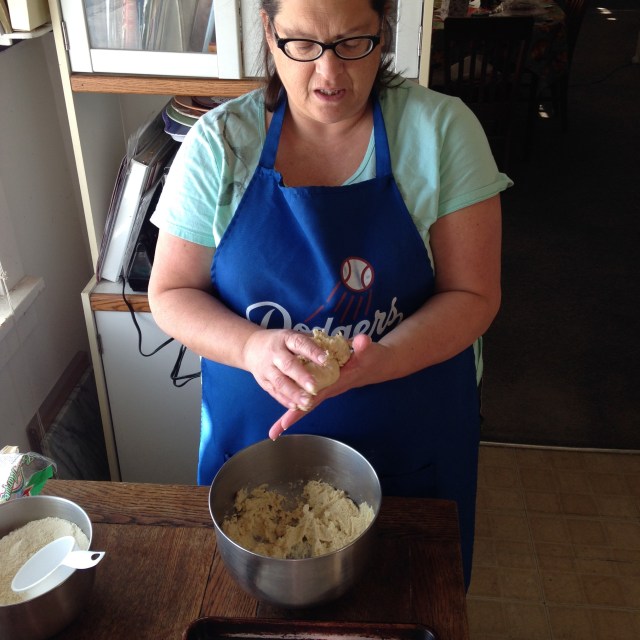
557	552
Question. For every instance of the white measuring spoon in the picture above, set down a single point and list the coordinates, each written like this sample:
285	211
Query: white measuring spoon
51	565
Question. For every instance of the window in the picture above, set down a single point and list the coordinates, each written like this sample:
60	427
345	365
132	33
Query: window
9	258
23	289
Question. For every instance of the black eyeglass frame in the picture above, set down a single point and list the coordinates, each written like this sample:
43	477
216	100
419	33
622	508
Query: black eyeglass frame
281	43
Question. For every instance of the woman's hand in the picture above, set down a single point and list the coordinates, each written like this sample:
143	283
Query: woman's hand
271	356
352	374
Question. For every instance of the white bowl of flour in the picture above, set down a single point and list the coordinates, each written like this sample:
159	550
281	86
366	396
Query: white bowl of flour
26	525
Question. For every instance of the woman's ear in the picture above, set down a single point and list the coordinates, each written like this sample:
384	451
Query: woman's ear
266	25
386	31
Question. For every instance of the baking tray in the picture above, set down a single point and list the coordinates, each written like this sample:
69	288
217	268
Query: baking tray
268	629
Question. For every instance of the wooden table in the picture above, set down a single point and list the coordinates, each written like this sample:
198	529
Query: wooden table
161	570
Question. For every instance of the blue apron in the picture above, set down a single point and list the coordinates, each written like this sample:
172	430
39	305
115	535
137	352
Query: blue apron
346	258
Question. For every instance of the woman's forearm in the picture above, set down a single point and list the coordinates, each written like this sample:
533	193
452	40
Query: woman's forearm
203	324
446	325
466	251
183	306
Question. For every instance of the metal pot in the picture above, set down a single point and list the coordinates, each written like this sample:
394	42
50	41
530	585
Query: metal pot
49	613
295	459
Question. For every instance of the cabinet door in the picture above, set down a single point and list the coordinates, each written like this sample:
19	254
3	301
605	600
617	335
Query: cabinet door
156	425
157	37
407	41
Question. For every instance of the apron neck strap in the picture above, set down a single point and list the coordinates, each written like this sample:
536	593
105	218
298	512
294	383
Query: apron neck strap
270	149
383	156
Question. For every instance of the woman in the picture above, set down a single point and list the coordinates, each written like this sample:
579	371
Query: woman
342	200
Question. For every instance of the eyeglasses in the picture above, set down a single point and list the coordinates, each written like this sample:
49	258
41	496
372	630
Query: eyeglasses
305	50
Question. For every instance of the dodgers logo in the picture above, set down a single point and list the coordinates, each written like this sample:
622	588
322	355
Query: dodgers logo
348	304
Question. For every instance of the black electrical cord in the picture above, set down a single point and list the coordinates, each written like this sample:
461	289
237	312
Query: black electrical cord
177	379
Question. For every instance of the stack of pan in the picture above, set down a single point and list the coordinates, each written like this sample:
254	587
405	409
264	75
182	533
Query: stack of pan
182	112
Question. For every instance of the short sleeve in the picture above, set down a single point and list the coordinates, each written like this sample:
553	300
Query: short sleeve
468	171
211	171
441	159
186	206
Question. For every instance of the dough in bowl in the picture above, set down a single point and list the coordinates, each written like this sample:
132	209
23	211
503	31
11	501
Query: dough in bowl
321	520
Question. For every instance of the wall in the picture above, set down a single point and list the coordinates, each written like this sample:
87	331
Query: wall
41	200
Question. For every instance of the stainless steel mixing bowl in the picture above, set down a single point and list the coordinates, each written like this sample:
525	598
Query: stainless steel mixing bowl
295	459
49	613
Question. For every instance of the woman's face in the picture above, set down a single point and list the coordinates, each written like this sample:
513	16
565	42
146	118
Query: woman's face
327	90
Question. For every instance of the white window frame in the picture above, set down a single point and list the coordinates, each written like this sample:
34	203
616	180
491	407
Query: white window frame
17	291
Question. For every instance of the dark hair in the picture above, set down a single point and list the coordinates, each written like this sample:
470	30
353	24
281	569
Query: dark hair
384	77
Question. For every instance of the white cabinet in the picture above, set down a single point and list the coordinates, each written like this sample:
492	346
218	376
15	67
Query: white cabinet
155	425
151	427
158	37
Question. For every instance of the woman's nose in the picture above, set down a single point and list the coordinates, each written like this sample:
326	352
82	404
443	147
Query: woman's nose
328	64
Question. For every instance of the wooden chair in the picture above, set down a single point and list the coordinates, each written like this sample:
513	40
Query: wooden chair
558	89
483	64
574	11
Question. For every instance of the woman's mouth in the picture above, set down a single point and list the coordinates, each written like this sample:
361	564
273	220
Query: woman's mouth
330	93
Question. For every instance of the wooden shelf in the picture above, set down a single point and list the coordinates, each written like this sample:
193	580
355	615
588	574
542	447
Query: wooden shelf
161	85
115	302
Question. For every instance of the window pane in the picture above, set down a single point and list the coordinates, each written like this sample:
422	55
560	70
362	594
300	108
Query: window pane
152	25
